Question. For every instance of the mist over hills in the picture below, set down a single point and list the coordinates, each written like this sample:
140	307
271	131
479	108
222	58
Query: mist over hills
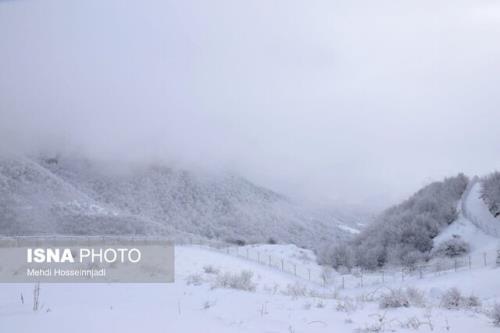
74	195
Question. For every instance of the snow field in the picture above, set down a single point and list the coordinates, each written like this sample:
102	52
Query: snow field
280	303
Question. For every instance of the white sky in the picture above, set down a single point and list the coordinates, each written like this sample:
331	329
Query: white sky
357	102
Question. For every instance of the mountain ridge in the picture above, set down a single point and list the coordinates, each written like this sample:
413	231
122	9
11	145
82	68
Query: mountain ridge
69	195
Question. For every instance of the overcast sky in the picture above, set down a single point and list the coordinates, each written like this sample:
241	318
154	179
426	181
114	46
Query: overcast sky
358	102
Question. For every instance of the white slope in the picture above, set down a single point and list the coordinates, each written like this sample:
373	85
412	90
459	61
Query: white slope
478	240
349	229
34	200
273	307
73	195
475	224
476	210
181	307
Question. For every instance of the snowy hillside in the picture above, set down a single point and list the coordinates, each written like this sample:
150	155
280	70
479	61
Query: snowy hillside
76	196
251	288
403	234
475	210
206	298
475	224
35	201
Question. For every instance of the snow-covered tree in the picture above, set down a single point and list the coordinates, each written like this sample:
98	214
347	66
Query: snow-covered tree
404	233
490	192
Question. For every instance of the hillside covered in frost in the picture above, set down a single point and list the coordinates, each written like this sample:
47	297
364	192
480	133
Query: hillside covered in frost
79	196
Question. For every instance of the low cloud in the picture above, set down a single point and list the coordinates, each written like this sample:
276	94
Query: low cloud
351	102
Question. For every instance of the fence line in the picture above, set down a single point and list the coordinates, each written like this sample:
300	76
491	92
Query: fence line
315	274
358	278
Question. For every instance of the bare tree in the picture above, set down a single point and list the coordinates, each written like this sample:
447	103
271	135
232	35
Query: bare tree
36	297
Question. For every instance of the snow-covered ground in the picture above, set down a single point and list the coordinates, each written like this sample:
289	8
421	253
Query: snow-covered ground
280	303
284	294
348	229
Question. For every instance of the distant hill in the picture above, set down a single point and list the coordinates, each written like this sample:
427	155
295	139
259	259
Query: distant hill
77	196
404	233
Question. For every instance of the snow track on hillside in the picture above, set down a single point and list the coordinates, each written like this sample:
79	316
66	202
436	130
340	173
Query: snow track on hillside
475	210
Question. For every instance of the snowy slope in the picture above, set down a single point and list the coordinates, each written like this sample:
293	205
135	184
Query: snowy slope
35	201
183	307
469	232
476	211
75	195
475	224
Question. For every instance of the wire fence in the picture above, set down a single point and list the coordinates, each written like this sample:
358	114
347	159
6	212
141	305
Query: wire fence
356	278
305	268
326	277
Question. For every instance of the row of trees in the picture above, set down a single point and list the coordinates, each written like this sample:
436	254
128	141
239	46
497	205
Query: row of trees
491	192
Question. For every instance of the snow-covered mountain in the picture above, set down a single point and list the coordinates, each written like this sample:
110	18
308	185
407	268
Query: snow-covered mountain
79	196
475	224
33	200
444	218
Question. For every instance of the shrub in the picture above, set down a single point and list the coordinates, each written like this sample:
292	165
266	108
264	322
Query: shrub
341	256
207	305
326	275
239	242
495	314
209	269
272	241
453	299
296	290
320	304
471	302
415	296
411	258
370	254
394	299
346	305
402	298
343	270
453	247
194	279
241	281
